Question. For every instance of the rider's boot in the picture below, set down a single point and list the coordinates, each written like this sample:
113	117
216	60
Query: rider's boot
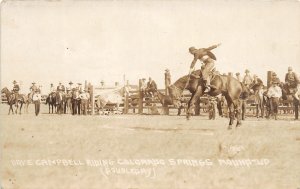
207	86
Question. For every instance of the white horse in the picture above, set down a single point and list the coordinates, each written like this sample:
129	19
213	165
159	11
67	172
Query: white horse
109	97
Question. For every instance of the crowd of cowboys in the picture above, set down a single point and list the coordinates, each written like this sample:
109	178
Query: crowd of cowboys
80	95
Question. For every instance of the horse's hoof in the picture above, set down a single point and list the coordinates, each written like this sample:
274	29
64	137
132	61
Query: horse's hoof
229	127
238	124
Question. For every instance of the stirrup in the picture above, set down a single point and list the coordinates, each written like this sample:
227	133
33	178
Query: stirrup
207	89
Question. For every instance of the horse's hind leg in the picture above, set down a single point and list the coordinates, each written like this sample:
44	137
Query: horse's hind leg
237	110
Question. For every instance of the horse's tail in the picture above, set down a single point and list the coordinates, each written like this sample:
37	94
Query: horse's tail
245	92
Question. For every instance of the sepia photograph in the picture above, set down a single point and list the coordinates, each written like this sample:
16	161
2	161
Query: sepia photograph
164	94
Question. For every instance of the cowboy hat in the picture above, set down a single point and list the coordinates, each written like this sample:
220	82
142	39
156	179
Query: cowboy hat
290	69
247	71
70	82
33	83
14	81
167	70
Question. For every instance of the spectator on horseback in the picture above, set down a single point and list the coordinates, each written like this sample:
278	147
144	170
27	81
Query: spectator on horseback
52	88
247	78
60	88
16	89
208	59
291	78
151	87
32	89
238	77
274	93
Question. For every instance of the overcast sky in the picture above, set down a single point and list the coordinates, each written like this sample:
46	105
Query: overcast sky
52	41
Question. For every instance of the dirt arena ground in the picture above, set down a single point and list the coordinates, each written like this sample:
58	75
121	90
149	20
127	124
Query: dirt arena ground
140	151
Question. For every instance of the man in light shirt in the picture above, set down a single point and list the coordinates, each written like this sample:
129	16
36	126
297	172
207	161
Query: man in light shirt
37	97
297	101
84	97
274	93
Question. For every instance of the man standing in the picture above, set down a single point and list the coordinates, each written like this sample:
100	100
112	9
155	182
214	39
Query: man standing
274	93
297	101
208	58
84	97
37	101
291	78
247	78
70	86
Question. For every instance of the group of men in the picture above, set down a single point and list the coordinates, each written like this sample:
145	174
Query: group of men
79	96
148	88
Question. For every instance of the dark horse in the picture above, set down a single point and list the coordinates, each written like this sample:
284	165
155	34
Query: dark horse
51	100
59	99
228	86
166	100
12	99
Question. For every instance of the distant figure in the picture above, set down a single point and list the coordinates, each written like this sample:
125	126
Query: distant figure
151	87
274	93
16	89
37	101
70	86
291	78
167	80
230	74
247	78
143	86
79	86
52	89
208	58
296	101
238	77
60	88
212	108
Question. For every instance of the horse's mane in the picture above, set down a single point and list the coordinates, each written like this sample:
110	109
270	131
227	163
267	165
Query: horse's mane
182	81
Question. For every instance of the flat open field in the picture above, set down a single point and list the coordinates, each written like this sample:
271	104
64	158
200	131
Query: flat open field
140	151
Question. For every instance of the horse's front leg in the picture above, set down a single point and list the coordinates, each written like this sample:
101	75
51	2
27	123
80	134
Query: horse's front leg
192	101
10	109
21	108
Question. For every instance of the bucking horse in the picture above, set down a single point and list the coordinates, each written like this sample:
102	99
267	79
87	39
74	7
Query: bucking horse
228	86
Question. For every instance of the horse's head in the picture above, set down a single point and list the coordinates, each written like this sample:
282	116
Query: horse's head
4	90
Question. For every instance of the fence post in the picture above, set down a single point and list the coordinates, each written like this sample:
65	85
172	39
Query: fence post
126	100
141	97
269	78
92	100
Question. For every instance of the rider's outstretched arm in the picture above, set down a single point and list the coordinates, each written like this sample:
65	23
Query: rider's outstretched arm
213	47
